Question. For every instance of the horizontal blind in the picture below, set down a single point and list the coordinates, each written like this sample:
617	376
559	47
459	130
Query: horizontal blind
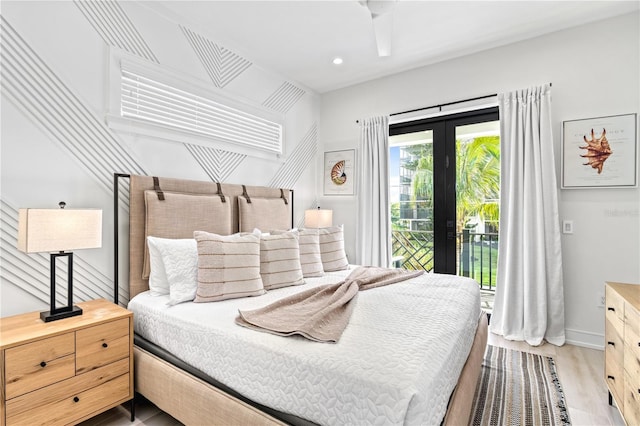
143	98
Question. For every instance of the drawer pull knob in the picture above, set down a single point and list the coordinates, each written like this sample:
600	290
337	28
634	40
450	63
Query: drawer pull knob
76	399
104	345
611	343
611	377
43	364
611	309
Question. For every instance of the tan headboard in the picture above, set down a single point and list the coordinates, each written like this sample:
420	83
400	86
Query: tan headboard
137	210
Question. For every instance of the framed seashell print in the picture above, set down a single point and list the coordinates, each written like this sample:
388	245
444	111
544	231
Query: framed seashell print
339	172
600	152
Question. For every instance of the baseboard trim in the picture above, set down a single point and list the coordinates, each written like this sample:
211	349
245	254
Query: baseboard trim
585	339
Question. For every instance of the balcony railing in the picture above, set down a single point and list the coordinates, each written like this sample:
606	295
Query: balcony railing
477	253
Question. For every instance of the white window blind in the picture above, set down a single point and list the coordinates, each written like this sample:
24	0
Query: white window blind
143	98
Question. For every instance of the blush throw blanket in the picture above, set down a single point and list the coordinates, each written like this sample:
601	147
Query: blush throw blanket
321	314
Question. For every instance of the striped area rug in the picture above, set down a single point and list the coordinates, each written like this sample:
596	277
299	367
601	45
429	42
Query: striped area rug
518	388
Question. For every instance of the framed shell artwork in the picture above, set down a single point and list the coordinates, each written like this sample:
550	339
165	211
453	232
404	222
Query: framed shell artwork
339	172
600	152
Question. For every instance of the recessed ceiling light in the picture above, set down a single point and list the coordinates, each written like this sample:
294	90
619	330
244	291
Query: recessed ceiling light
337	60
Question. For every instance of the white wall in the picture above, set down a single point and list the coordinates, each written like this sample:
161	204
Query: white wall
56	145
595	72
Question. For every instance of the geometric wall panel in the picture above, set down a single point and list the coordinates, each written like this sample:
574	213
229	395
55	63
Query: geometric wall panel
31	272
217	163
40	95
221	64
284	97
298	161
114	26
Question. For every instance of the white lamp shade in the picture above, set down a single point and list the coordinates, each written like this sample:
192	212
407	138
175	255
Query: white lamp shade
318	218
51	230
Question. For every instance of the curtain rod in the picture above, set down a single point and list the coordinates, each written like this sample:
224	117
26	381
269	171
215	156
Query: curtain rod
439	106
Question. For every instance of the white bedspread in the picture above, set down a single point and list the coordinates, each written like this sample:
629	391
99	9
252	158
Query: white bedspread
397	362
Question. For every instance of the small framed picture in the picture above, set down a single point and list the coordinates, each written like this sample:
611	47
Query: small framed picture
339	172
600	152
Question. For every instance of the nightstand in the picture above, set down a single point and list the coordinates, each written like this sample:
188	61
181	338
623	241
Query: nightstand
65	371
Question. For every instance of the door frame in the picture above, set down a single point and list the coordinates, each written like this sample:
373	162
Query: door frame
444	177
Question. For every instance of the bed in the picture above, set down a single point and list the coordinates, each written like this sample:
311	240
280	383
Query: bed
195	363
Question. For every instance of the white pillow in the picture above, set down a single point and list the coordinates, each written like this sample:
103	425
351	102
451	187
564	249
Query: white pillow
180	260
158	283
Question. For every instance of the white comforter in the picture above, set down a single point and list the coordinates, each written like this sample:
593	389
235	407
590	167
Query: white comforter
397	362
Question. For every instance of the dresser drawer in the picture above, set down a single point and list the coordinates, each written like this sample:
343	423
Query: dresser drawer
613	366
35	365
102	344
615	309
632	350
632	399
72	399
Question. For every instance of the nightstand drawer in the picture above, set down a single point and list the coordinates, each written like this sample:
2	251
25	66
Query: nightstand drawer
35	365
71	400
102	344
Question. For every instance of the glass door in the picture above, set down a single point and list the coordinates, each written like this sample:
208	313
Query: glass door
439	169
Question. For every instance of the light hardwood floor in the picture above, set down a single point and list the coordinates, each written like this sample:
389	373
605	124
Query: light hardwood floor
580	369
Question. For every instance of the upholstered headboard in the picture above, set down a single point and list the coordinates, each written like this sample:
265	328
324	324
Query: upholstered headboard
171	208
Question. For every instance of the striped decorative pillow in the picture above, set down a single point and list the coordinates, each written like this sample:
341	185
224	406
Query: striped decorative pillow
280	260
332	251
309	244
228	266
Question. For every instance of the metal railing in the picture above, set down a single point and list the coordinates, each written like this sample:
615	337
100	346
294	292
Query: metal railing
477	253
478	257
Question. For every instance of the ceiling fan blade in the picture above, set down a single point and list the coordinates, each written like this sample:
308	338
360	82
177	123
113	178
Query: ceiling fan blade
382	18
383	28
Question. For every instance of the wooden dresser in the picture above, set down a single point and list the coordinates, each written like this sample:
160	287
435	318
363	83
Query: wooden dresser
66	371
622	351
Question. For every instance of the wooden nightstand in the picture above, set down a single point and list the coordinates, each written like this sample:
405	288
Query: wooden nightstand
65	371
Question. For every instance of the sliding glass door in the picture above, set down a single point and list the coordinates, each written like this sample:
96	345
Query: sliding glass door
445	175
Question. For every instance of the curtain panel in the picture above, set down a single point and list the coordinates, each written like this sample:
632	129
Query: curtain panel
373	223
529	299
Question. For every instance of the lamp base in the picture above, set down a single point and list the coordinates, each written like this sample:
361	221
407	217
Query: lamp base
60	313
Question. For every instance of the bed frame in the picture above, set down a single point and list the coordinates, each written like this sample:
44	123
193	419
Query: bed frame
190	396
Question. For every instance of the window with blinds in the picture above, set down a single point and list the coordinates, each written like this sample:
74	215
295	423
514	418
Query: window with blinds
146	99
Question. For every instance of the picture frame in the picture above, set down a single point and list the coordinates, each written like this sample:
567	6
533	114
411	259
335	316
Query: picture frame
339	172
600	152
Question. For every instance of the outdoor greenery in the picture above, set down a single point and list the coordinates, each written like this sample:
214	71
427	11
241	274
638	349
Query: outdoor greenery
477	195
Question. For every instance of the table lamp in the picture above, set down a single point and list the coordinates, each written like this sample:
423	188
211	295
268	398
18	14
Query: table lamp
318	218
58	231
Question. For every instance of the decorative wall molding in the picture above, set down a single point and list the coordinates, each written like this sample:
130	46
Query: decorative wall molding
284	97
222	65
42	96
31	272
304	153
114	26
217	163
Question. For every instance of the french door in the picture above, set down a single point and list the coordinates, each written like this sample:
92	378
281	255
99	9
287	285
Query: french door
443	175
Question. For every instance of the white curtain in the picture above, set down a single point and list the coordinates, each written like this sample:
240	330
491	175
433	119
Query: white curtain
529	300
374	226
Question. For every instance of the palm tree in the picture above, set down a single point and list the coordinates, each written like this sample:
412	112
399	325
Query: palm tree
477	179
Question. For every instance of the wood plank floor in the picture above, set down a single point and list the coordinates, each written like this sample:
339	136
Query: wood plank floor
580	369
